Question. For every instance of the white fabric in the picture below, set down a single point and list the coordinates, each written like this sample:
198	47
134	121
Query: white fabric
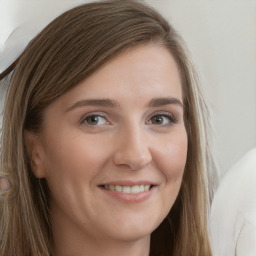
233	214
22	20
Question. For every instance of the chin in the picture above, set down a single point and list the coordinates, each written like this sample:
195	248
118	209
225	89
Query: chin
134	229
132	235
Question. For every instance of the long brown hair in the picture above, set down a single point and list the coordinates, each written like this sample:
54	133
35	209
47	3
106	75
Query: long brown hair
66	52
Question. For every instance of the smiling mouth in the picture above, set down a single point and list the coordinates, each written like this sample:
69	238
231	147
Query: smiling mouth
127	189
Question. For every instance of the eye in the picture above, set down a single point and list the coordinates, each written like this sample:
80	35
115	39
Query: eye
95	120
163	119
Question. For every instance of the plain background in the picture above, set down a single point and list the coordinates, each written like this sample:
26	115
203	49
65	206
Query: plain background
221	36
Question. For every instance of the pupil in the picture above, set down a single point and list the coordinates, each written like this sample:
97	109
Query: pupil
93	120
158	120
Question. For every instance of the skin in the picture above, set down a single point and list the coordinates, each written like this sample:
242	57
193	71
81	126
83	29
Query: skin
4	184
129	142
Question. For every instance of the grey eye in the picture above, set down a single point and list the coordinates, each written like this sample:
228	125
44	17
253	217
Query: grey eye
158	119
162	119
95	120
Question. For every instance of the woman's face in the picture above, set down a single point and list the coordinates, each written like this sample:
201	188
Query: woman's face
113	149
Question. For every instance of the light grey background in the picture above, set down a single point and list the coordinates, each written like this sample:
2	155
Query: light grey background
221	36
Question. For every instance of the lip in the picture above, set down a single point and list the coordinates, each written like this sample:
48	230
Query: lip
129	183
129	197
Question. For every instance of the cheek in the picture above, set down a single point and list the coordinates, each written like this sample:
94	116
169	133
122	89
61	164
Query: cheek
172	156
71	169
70	162
171	159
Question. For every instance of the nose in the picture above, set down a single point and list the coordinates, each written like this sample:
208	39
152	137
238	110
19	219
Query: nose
133	150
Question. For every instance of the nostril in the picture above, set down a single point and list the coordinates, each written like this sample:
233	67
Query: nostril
131	160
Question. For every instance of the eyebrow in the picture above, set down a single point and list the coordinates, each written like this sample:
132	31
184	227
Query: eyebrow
157	102
95	102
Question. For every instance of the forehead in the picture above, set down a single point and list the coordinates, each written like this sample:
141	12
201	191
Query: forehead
146	69
133	78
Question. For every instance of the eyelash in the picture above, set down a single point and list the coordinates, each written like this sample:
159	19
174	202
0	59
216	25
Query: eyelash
170	117
84	119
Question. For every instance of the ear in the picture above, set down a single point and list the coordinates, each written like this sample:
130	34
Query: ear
35	153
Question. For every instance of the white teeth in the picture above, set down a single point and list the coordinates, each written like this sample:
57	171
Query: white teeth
147	187
119	188
111	187
135	189
128	189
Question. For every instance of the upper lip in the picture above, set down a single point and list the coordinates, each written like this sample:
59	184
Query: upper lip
128	183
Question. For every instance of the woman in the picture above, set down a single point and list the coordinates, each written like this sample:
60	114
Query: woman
104	139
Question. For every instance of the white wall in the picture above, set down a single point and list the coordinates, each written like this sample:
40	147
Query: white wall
221	36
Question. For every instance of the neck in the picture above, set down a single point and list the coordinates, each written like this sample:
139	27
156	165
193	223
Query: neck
77	248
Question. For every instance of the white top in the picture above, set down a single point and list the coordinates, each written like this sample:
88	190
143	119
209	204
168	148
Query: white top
233	214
